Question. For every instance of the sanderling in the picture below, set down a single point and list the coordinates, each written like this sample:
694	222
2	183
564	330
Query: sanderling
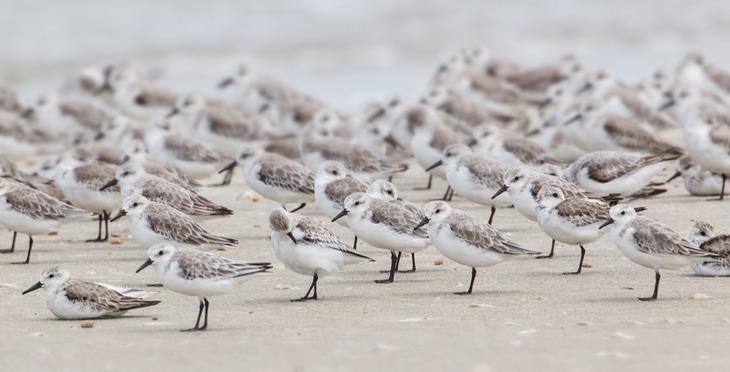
71	298
703	234
430	138
136	96
651	244
616	172
81	185
316	148
199	274
151	223
708	143
572	221
194	158
523	185
64	116
510	149
474	177
225	128
307	247
697	180
132	179
598	131
32	212
384	225
331	186
467	240
275	177
384	190
156	166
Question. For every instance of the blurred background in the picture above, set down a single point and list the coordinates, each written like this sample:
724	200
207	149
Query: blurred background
346	52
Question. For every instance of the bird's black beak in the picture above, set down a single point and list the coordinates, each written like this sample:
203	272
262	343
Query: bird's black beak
500	191
639	209
27	113
585	88
674	176
533	132
575	118
33	288
228	167
541	106
119	215
225	83
291	236
340	215
424	221
109	184
172	113
667	104
376	115
434	165
145	264
608	222
390	140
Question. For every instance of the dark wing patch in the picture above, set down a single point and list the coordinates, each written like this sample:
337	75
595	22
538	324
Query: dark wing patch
283	173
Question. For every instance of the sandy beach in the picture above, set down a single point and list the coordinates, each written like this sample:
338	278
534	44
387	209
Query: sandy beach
524	314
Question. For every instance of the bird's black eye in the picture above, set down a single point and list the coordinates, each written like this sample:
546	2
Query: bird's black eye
125	174
51	276
390	192
135	204
555	195
438	211
161	253
357	203
334	172
702	233
516	179
623	213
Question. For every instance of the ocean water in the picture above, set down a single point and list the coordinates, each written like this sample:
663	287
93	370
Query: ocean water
346	52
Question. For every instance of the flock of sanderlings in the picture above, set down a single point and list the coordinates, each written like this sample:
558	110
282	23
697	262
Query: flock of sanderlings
117	144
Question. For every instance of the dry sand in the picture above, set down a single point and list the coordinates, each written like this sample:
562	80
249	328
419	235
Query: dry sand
523	314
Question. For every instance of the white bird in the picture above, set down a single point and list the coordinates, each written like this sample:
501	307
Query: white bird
307	247
614	172
151	223
703	234
474	177
29	211
651	244
71	298
384	225
199	274
275	177
697	180
467	240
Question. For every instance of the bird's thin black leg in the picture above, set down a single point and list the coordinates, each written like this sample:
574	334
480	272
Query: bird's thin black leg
393	268
354	245
312	286
656	289
98	236
207	306
298	208
197	322
30	248
107	215
413	267
227	178
552	251
12	247
471	284
447	193
491	215
580	265
428	187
